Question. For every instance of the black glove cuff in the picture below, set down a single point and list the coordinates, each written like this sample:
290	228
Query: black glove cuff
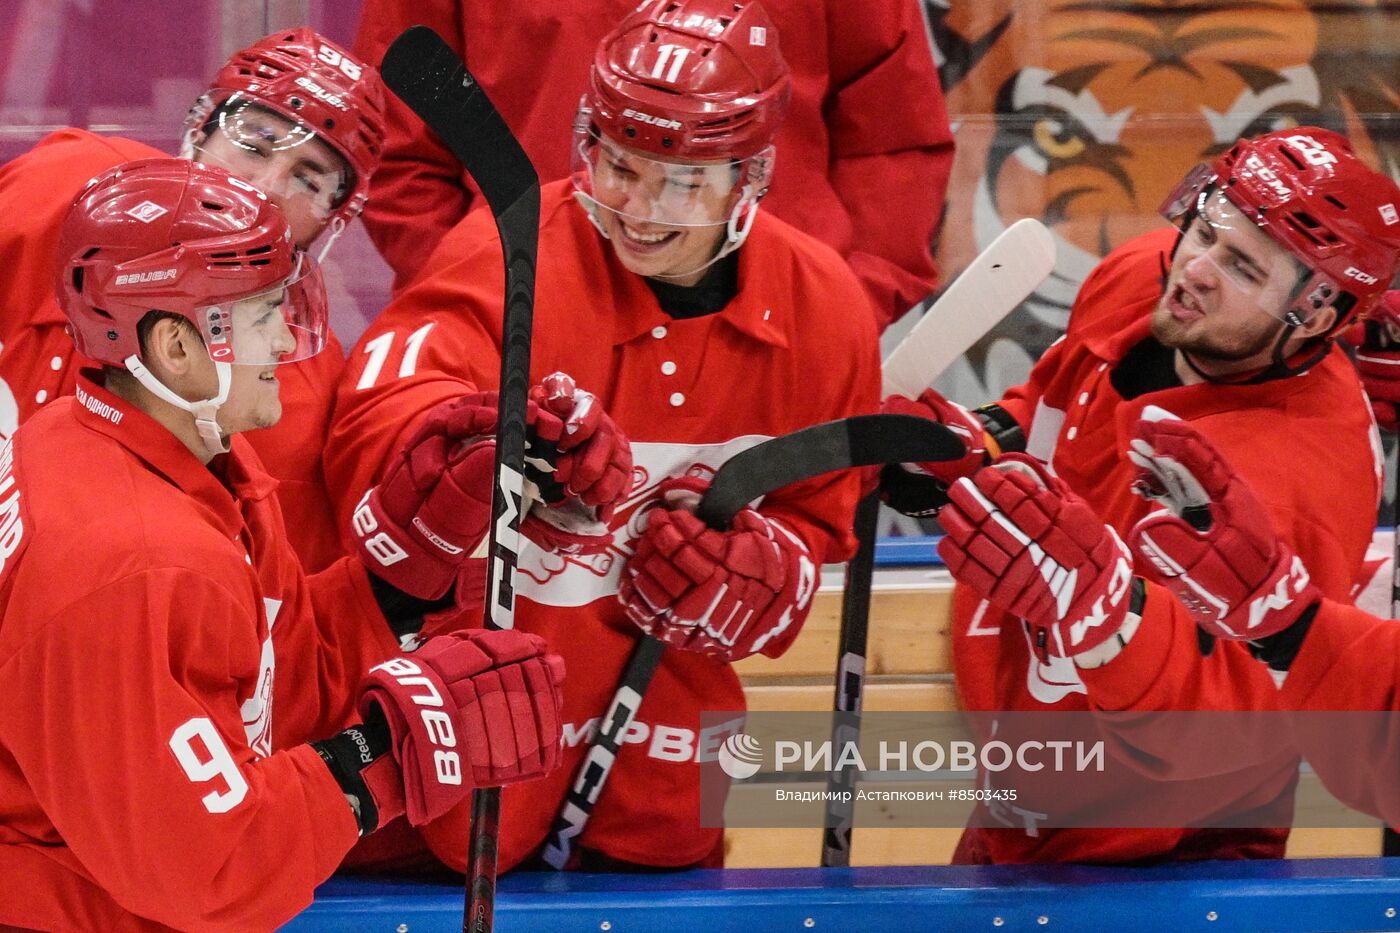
403	611
1003	429
916	494
1279	649
348	753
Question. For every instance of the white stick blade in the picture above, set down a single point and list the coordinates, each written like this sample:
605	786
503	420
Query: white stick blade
998	280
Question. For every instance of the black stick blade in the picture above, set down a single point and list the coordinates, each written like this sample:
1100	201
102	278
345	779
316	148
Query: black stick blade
858	441
427	75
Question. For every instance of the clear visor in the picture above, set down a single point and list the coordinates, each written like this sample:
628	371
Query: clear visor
647	190
1239	256
284	324
283	158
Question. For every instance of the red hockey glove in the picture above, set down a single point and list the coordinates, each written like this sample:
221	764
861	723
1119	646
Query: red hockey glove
728	594
1377	344
1019	537
1213	545
417	527
592	471
922	488
470	709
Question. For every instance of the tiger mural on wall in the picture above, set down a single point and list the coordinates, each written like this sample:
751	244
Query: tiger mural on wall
1085	113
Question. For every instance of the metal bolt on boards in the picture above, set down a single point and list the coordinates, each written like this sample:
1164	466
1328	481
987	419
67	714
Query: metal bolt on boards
1390	911
605	925
997	921
1042	920
809	923
401	928
1212	916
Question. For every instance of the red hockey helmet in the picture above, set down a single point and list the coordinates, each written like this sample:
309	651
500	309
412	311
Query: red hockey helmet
308	79
691	79
171	235
1308	191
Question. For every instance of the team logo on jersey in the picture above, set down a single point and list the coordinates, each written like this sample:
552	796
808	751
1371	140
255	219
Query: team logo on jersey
578	579
146	211
1389	215
257	709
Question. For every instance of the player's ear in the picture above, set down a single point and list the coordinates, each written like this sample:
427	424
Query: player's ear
171	347
1320	323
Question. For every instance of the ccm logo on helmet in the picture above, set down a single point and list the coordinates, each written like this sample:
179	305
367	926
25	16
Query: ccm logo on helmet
1355	273
661	122
436	723
1268	176
140	278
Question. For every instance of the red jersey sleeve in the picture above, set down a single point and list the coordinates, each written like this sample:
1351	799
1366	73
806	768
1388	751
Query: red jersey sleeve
881	58
419	192
122	715
333	634
1350	661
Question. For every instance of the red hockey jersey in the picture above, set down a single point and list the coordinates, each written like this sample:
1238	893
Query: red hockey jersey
787	352
1306	445
844	165
38	363
164	658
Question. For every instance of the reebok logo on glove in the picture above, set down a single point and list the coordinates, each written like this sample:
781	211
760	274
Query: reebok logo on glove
437	724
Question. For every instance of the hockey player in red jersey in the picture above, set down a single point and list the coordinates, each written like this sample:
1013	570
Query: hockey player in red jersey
168	660
704	326
848	169
295	115
1212	544
1228	324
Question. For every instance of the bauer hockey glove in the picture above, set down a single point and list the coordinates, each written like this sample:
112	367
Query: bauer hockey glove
1212	544
921	489
416	528
588	472
470	709
727	594
1019	537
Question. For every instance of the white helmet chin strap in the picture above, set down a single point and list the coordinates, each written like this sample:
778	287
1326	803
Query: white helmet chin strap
737	227
205	412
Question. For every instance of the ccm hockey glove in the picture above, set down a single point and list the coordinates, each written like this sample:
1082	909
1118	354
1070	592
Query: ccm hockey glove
727	594
419	525
470	709
1212	545
1019	537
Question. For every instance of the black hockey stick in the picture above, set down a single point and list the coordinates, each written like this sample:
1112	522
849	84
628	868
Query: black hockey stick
430	78
862	440
990	288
